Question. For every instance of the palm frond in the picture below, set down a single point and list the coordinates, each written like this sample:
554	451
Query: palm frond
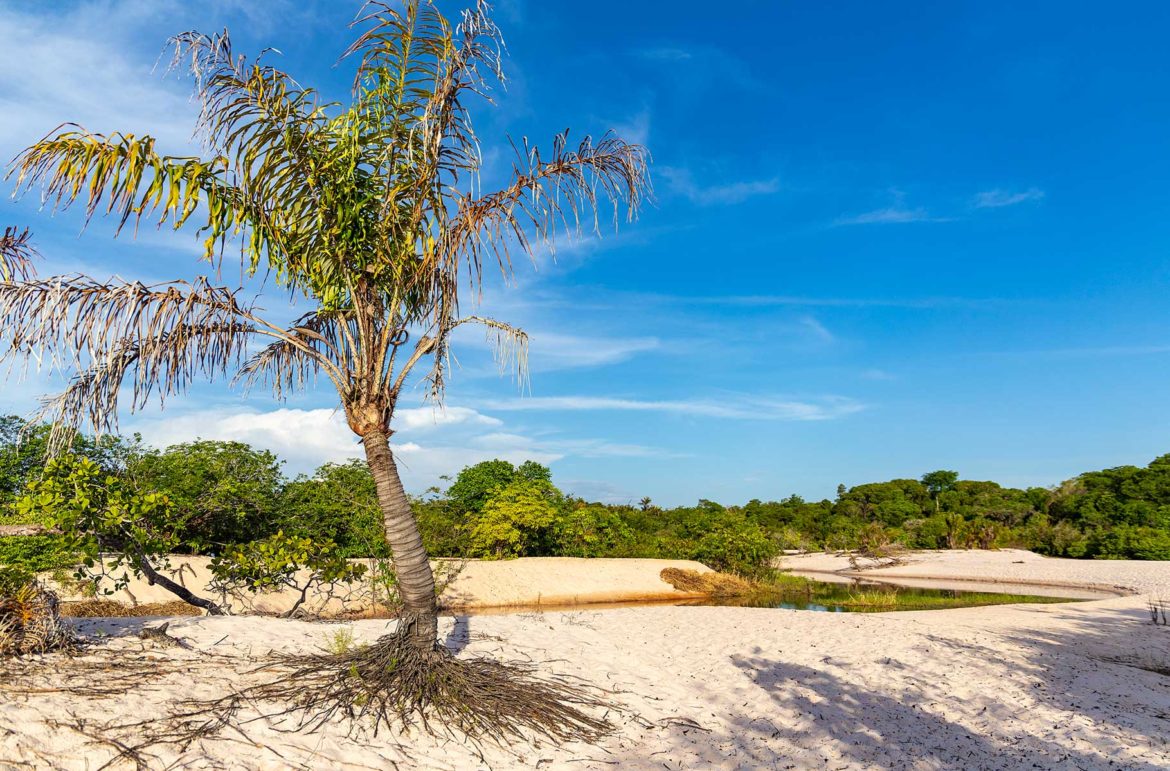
73	322
509	345
123	176
16	256
287	365
162	365
546	197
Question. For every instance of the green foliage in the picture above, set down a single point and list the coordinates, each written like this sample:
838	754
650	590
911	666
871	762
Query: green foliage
514	521
103	518
222	492
589	531
475	484
23	450
282	562
736	547
339	503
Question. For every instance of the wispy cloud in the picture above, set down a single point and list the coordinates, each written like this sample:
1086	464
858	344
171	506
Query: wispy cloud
891	215
997	199
765	301
699	67
554	351
897	213
1088	352
739	408
682	181
817	330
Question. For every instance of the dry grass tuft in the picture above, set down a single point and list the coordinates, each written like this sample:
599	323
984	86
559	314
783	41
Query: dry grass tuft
30	622
114	609
716	584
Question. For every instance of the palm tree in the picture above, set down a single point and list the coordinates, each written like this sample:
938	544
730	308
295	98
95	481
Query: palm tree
369	211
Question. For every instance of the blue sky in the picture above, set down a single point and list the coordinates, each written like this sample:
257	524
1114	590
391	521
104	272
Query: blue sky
886	238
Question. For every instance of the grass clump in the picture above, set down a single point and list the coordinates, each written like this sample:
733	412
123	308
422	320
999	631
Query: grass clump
713	583
113	609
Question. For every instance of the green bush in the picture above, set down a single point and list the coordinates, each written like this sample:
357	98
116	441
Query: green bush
515	520
589	531
282	562
738	547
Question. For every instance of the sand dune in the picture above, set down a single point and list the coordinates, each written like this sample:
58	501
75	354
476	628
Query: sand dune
1004	687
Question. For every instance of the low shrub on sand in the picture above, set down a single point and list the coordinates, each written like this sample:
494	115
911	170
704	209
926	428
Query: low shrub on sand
30	622
714	583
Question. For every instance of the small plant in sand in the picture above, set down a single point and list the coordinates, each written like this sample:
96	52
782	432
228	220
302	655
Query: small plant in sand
29	620
369	213
1159	611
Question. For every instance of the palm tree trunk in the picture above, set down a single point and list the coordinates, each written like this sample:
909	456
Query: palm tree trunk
416	582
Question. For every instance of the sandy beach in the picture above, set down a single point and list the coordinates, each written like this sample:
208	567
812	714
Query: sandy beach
1019	686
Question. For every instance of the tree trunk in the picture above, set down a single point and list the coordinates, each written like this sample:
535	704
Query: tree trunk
177	589
416	582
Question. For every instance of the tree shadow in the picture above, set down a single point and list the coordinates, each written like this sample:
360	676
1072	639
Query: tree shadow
460	635
1111	706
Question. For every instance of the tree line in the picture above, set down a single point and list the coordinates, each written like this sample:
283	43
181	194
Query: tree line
220	495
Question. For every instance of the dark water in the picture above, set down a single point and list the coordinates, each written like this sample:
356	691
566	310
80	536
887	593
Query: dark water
819	596
874	598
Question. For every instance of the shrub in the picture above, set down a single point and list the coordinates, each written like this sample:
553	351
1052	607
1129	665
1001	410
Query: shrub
742	548
282	562
222	492
589	531
515	520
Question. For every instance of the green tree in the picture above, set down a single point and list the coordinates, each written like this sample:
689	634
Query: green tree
366	212
110	523
339	503
939	482
589	531
515	519
223	492
475	484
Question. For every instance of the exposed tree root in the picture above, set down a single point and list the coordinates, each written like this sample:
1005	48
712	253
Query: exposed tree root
394	685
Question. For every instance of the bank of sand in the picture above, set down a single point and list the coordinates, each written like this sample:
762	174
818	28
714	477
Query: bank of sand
1004	687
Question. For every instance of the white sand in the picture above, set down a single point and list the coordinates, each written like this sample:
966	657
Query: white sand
1005	687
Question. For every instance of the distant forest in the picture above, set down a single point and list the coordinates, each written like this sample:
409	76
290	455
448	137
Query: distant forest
223	493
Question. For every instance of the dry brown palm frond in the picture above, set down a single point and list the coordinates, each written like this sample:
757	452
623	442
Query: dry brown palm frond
76	321
162	366
549	197
30	622
16	256
286	364
509	345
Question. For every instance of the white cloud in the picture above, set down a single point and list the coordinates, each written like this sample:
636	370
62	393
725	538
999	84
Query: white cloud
817	330
996	199
745	408
428	444
551	351
682	181
308	438
415	418
891	215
